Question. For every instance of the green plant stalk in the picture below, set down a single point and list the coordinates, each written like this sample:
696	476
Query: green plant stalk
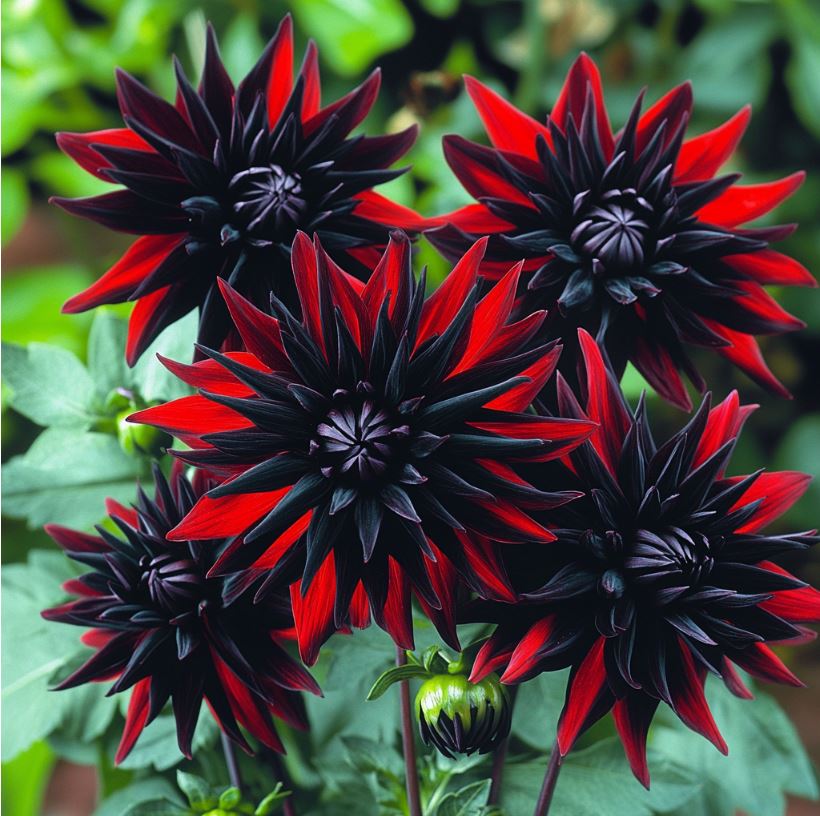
408	742
542	807
500	757
230	761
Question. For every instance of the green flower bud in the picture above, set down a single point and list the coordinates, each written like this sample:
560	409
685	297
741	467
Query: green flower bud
140	440
460	717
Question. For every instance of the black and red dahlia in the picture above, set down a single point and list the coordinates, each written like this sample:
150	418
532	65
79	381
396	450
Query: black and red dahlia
163	627
660	574
219	183
631	235
373	442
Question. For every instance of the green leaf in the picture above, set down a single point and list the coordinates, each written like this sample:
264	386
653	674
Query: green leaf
441	8
537	706
230	798
352	35
597	782
804	65
469	801
106	359
150	378
49	385
156	807
34	650
395	675
144	790
196	789
766	759
25	779
15	201
65	477
272	801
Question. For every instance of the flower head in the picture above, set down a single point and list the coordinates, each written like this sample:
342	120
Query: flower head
218	184
372	443
162	626
631	236
660	574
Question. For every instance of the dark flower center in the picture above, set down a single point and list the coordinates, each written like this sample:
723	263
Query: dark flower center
268	196
174	583
669	559
357	438
613	230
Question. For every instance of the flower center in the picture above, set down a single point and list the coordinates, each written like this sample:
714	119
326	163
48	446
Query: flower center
357	438
268	196
612	232
669	559
173	583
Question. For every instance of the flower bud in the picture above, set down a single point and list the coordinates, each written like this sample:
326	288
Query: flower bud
140	440
460	717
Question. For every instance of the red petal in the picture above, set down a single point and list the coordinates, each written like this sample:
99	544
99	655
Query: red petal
733	681
142	325
760	661
306	277
135	719
525	656
795	605
494	653
475	218
225	516
80	147
769	267
604	403
507	127
259	332
344	293
388	278
739	204
518	398
475	167
247	707
280	81
213	376
632	715
396	617
192	416
587	685
117	284
723	423
313	613
97	638
74	540
700	158
583	75
671	109
362	99
375	207
745	353
444	580
127	514
659	369
483	561
778	490
312	94
360	608
270	558
689	702
443	305
520	527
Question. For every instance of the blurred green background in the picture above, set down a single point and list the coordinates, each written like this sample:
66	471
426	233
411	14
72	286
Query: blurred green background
58	60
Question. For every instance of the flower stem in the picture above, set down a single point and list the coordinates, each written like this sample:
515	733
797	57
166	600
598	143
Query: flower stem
230	761
550	778
288	808
408	742
500	757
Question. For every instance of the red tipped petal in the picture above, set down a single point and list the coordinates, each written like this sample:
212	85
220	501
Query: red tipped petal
739	203
312	94
769	267
389	278
359	608
507	127
669	109
723	423
796	605
226	515
313	613
74	540
523	661
193	416
280	81
583	693
306	276
375	207
270	558
700	158
396	617
475	167
733	681
689	701
145	324
80	147
127	514
135	719
212	376
117	284
475	218
259	332
489	576
519	526
759	660
356	104
493	654
659	369
632	715
444	580
778	491
518	398
584	76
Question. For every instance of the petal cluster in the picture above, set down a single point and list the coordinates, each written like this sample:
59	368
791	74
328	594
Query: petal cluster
218	184
661	574
631	235
161	626
370	447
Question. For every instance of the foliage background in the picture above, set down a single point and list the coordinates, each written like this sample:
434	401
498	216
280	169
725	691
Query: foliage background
58	58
